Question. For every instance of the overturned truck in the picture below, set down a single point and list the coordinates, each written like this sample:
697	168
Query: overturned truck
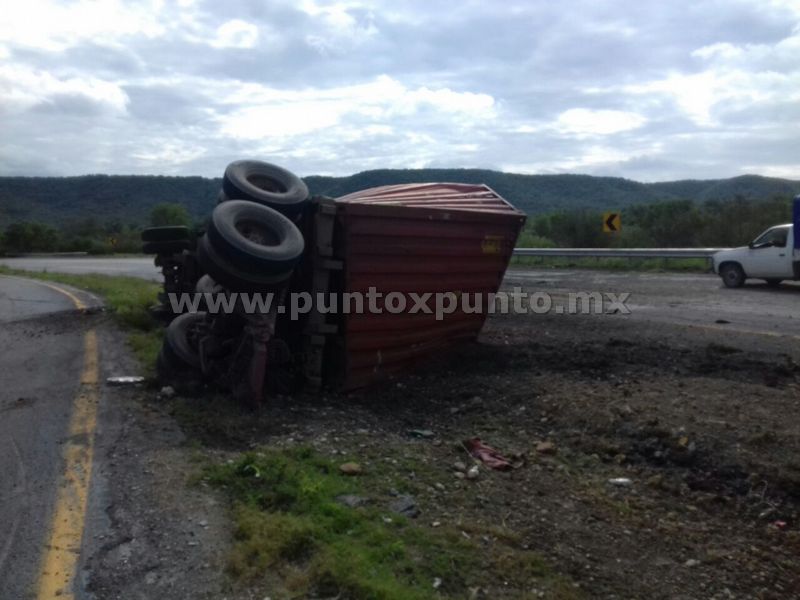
283	290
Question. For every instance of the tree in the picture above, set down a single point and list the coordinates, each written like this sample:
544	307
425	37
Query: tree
30	237
169	213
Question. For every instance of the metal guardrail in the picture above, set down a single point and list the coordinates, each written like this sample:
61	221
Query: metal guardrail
620	252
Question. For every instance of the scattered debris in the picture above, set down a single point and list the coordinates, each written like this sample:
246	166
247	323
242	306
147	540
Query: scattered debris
351	500
546	447
486	454
405	505
437	583
421	433
692	562
779	525
620	482
125	380
350	468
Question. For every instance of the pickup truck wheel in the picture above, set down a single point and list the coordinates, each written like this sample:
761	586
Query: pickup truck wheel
255	237
732	275
266	184
774	282
165	234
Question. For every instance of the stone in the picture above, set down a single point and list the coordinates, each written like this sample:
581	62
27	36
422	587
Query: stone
350	468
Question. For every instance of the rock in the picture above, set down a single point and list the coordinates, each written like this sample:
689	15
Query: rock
459	466
350	468
167	391
351	500
439	486
692	562
546	448
473	472
405	505
437	583
459	475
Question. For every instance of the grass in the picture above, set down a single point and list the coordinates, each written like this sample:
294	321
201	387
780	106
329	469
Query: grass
127	299
290	527
697	265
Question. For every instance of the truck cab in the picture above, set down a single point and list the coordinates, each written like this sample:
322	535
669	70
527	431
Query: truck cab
771	256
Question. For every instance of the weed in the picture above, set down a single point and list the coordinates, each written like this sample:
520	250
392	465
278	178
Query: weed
288	521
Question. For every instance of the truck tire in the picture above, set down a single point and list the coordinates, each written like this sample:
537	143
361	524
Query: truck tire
266	184
165	234
233	277
181	338
255	237
170	247
732	275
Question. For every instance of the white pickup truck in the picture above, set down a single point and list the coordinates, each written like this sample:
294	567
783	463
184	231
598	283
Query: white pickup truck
772	256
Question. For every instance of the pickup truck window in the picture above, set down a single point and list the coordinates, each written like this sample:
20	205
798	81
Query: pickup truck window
777	236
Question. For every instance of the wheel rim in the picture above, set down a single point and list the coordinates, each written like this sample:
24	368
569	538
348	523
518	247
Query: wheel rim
257	233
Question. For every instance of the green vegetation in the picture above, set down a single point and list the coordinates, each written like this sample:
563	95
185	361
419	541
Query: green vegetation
130	199
128	300
677	223
292	532
169	213
694	265
42	214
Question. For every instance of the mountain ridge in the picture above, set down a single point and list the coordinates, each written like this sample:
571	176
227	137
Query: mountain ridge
129	198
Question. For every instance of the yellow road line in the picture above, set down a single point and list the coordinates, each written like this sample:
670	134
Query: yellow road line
79	304
59	564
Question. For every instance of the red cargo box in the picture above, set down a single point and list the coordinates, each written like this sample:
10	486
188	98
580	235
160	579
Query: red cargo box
416	238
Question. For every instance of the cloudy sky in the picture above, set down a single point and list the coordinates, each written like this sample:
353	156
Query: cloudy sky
650	90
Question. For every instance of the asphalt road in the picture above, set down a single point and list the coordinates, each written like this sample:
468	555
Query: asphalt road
692	300
141	267
41	360
697	300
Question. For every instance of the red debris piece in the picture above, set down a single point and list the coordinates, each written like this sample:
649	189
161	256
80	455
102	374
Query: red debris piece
487	455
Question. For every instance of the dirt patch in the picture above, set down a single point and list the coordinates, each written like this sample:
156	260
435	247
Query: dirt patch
704	425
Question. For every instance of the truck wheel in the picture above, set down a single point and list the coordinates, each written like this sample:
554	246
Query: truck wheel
165	234
170	247
233	277
774	282
255	237
732	275
182	338
266	184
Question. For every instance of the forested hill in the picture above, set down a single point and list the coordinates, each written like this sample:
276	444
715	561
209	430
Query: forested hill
129	199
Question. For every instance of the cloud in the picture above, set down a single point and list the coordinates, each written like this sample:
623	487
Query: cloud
584	121
649	90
